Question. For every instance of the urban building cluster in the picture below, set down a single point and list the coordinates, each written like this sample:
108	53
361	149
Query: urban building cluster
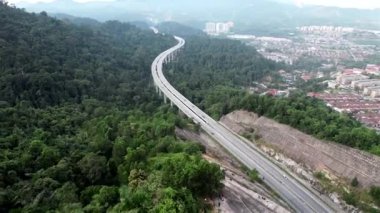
322	43
354	91
274	48
325	30
241	37
264	89
357	92
329	49
370	119
364	110
291	77
217	28
276	92
359	80
277	57
287	81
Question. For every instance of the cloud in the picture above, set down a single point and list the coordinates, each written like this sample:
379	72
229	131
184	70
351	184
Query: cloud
87	1
49	1
29	1
362	4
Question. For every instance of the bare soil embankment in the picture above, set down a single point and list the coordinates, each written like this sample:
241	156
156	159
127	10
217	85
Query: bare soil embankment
339	160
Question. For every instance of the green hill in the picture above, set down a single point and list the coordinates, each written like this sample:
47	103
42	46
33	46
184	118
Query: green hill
80	128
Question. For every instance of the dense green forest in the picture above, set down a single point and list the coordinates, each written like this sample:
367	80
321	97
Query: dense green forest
81	130
206	62
211	73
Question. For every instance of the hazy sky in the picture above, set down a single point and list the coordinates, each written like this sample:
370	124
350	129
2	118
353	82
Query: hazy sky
367	4
47	1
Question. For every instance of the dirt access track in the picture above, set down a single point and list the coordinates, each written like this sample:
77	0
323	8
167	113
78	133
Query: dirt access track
339	160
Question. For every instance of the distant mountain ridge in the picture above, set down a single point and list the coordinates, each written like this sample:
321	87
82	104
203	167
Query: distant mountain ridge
246	13
76	20
175	28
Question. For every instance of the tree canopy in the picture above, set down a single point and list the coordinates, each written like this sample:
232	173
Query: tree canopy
81	130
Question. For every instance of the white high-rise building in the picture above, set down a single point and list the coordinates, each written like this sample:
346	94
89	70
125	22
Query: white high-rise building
216	28
220	28
210	28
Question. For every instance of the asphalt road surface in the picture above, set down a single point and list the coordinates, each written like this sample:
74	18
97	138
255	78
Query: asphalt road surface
299	197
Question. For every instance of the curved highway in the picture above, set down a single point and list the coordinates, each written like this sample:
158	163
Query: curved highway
293	192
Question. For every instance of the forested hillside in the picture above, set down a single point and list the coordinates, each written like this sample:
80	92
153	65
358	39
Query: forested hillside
177	29
80	128
206	63
46	62
210	62
211	73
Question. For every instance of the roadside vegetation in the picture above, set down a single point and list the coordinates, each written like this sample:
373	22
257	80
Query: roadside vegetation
352	193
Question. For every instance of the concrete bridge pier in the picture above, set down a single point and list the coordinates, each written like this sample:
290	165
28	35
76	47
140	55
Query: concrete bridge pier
159	93
165	99
156	87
